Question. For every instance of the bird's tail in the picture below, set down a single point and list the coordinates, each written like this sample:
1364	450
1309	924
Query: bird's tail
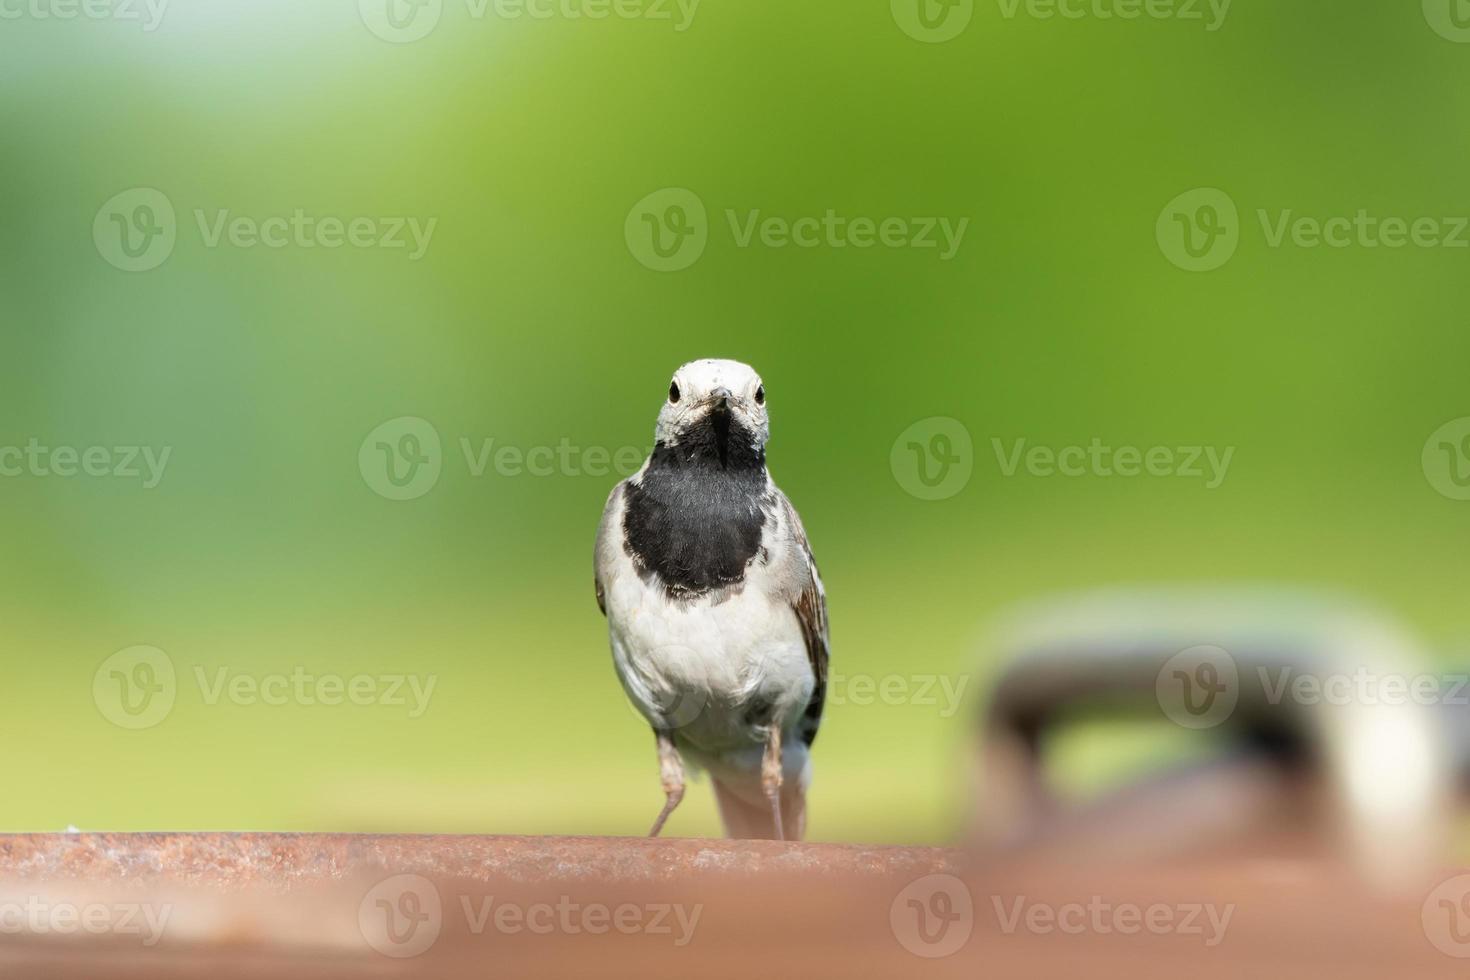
751	819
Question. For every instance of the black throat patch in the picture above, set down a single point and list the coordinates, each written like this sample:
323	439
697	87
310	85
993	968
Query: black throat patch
695	519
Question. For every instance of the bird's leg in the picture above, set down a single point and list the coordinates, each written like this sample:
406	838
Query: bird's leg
771	776
671	770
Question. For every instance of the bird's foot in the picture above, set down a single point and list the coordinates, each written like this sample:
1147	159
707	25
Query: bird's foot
771	778
671	771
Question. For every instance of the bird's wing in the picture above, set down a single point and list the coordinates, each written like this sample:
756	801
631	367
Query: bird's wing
809	601
609	539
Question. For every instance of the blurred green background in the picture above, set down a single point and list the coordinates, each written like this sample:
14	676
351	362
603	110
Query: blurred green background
529	320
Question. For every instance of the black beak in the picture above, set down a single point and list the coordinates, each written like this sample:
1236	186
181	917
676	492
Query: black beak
720	415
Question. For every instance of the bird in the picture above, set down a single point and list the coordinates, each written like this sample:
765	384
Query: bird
716	613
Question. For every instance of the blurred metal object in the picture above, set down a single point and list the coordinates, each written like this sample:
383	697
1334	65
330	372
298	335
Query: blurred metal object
1310	763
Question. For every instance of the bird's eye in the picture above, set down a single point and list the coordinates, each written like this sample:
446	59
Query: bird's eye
673	392
760	395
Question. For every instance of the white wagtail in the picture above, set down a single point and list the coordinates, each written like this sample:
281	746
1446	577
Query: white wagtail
715	611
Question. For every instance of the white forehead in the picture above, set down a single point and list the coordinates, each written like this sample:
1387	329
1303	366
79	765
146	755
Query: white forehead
711	373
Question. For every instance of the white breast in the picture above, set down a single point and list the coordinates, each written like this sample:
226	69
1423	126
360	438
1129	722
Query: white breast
714	670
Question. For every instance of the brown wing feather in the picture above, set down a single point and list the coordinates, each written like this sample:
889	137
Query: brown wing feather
811	611
810	606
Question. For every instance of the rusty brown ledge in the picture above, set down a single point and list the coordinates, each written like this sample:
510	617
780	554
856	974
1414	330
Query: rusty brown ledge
229	860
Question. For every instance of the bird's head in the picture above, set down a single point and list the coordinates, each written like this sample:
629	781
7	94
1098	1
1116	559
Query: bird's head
715	410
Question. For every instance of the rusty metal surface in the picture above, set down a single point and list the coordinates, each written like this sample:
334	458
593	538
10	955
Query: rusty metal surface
307	906
301	907
287	860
